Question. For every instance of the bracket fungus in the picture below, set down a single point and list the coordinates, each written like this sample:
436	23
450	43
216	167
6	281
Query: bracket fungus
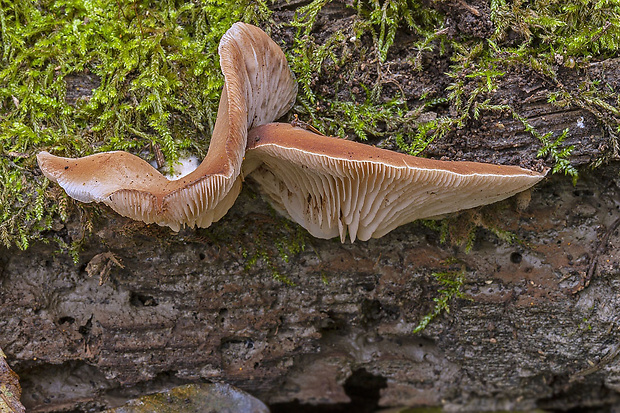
258	88
334	187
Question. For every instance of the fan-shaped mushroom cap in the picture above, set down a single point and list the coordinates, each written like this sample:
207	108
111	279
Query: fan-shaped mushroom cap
258	88
333	186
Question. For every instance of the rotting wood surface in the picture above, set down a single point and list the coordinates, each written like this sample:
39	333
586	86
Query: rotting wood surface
183	309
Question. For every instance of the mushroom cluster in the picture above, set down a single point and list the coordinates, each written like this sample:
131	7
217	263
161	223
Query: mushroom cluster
258	88
332	187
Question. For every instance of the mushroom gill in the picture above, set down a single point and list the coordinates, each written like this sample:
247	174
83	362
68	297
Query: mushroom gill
334	187
258	88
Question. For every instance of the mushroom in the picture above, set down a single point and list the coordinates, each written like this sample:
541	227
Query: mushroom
333	186
258	88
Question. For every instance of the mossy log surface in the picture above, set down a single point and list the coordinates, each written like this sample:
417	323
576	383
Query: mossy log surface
187	309
146	309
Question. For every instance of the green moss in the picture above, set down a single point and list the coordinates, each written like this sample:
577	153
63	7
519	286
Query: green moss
157	78
341	52
271	249
577	28
548	35
264	241
450	285
462	230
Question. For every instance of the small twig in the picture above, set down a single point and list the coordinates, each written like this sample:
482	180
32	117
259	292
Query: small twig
470	8
391	80
296	122
160	159
600	249
6	401
135	10
18	154
120	8
609	357
599	34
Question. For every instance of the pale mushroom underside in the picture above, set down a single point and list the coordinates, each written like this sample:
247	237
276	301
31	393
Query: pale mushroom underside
258	88
133	188
333	187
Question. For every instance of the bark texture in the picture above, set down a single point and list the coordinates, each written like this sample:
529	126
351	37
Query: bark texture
186	309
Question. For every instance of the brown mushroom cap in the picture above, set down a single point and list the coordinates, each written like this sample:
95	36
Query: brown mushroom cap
333	186
258	88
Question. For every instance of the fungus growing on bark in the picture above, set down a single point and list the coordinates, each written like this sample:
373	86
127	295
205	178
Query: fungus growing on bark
331	187
334	187
258	88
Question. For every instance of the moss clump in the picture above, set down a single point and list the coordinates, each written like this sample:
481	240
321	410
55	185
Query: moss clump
263	241
339	111
451	283
573	28
462	229
154	71
273	249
